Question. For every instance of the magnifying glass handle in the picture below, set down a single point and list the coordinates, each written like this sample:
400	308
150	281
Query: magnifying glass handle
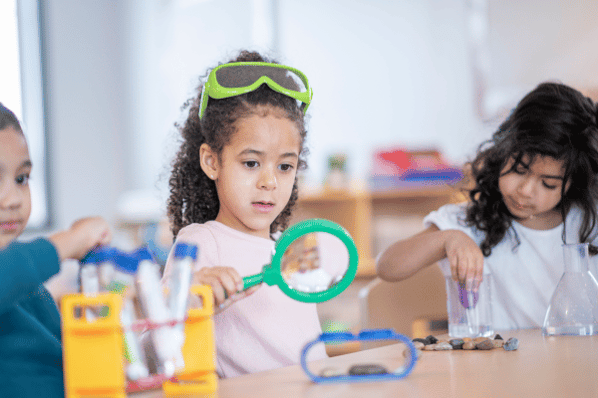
249	281
252	280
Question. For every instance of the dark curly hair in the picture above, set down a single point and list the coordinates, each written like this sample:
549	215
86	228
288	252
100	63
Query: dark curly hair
9	119
552	120
193	197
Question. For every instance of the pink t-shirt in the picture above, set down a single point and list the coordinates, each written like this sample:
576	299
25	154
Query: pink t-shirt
264	331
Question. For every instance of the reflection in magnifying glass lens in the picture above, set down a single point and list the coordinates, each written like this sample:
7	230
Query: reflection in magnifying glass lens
315	262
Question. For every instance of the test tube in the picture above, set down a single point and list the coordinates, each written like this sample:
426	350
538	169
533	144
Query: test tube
137	367
89	277
90	286
180	282
115	273
118	275
155	310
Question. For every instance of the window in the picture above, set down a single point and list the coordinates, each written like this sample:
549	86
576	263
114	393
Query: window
21	91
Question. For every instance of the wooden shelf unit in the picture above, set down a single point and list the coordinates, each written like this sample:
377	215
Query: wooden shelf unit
356	208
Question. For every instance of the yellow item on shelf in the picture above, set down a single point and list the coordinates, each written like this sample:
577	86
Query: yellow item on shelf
93	352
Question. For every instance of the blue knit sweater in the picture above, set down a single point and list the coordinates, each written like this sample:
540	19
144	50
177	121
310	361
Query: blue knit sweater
30	345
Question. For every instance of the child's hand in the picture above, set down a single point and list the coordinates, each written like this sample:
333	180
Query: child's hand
226	283
84	235
466	259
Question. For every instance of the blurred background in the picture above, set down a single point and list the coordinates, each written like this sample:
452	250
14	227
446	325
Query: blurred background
415	73
99	86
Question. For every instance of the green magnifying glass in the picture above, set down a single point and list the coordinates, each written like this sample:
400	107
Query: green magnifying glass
314	261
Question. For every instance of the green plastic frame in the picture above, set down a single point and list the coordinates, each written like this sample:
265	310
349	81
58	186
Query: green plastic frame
213	89
272	275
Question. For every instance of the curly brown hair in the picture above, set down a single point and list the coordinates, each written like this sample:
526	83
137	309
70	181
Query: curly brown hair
193	196
552	120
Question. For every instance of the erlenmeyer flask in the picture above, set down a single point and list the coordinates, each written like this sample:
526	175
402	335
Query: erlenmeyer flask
573	309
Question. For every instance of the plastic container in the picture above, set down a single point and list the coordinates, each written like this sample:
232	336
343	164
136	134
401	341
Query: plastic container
469	313
573	308
106	269
93	351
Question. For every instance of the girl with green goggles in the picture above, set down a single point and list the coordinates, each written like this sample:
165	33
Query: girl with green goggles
233	186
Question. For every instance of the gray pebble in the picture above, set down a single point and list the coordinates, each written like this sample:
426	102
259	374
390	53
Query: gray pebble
430	339
485	345
443	346
457	343
498	343
511	345
469	345
419	345
367	369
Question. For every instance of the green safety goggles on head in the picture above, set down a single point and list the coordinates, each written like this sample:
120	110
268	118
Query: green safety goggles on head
237	78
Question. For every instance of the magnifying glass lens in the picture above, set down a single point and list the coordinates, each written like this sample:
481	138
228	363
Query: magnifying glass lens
315	262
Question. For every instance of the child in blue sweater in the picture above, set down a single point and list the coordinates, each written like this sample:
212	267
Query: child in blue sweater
30	341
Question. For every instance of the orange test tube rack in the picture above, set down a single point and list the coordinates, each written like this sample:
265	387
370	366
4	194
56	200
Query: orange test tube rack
93	352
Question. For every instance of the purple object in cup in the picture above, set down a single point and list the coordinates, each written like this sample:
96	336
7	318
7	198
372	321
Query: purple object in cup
464	297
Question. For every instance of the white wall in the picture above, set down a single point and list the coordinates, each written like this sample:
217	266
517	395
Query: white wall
384	73
170	46
116	74
86	111
535	41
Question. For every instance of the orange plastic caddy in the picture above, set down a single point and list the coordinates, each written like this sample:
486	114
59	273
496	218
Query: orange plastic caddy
93	352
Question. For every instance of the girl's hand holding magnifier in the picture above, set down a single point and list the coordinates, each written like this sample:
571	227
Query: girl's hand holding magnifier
325	249
226	283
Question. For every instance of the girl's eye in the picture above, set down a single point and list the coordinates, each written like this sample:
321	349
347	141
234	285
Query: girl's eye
22	179
251	164
548	185
286	167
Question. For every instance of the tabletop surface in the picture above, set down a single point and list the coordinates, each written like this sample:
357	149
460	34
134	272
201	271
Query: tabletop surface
555	366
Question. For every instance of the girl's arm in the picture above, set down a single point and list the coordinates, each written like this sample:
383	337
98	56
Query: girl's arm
226	283
405	257
24	266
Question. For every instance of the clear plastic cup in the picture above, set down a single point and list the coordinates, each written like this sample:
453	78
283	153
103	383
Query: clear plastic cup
469	313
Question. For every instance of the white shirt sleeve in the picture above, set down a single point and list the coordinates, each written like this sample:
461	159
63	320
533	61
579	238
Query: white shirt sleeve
452	216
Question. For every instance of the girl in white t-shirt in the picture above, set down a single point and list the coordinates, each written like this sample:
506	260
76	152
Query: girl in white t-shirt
233	185
535	189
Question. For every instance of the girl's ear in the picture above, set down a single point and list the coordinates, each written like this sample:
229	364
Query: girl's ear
208	160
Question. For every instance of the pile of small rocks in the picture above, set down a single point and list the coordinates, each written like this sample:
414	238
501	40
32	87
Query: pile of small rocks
431	343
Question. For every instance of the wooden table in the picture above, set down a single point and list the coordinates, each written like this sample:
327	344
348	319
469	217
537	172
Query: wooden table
563	366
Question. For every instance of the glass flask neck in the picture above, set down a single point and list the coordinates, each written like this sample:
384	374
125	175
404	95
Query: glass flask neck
577	257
